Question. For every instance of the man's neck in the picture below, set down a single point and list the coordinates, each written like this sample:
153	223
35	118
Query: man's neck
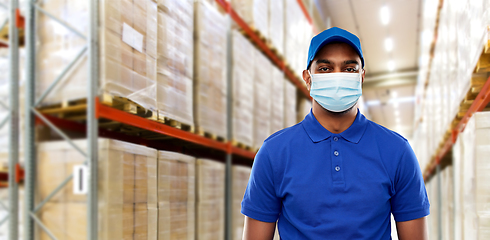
333	122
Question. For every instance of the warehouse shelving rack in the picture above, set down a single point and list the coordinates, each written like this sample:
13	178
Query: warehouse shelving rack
96	110
435	165
480	102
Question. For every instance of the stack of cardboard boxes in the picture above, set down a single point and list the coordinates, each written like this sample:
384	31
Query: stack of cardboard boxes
176	196
210	84
175	59
210	200
127	194
242	89
240	175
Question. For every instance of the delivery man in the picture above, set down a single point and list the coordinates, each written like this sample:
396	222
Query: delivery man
335	175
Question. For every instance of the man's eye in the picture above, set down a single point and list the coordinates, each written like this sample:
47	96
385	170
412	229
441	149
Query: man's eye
350	69
324	69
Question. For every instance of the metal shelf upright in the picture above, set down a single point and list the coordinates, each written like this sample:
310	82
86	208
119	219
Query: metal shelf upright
13	119
30	154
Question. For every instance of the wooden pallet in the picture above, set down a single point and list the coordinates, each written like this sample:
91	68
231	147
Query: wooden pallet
76	110
206	134
129	106
483	64
174	123
235	143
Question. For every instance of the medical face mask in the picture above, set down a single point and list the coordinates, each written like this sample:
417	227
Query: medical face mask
336	92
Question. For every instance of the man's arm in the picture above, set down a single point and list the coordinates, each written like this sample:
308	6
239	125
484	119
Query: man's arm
258	230
413	230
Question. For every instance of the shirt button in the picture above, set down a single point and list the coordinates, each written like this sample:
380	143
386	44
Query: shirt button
335	139
336	153
337	168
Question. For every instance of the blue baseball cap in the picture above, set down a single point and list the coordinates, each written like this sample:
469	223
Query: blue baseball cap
330	35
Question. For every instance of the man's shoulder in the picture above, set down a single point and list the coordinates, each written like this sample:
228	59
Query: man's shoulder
382	132
284	134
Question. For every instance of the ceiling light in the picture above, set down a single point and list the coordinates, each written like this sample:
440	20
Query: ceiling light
398	120
389	44
373	103
395	104
397	113
385	15
394	94
391	65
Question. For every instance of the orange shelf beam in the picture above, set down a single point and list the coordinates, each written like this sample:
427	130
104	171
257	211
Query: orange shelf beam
107	112
480	102
103	111
241	152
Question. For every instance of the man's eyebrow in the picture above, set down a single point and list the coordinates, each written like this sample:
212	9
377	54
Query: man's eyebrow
351	62
323	61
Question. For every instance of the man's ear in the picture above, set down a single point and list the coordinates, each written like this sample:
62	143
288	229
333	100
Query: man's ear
307	79
363	74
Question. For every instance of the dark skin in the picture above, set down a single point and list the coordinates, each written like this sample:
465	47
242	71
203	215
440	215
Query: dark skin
334	57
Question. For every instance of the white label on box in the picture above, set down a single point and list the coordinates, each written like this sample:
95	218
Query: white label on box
132	37
80	179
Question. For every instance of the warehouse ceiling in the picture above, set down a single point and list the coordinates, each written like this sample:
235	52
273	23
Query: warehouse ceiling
391	75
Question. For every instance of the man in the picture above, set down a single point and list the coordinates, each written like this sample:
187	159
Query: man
335	175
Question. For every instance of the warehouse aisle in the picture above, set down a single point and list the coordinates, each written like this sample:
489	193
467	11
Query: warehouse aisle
141	119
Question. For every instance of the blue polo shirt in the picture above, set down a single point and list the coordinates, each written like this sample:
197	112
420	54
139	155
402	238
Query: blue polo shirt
320	185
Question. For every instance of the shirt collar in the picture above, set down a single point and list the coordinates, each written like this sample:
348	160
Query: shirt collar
318	133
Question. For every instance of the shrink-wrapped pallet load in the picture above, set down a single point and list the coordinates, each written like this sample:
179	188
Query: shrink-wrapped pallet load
210	91
482	170
240	176
262	98
289	104
210	200
450	216
174	90
127	51
255	13
176	196
242	89
471	169
276	25
470	216
127	193
457	188
277	100
447	216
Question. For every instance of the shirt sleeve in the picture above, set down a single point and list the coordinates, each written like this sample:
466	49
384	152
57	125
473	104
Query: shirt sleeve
410	200
260	201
